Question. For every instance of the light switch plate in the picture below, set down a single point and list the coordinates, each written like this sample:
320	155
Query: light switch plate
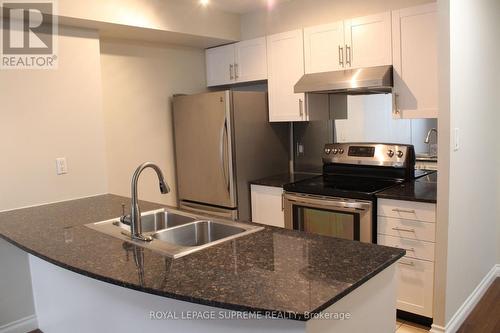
61	166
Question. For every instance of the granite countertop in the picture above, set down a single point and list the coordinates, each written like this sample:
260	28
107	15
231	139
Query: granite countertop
284	178
275	269
421	189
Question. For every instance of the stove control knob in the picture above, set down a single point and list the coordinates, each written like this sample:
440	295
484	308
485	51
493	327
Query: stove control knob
327	151
400	154
335	150
390	153
341	151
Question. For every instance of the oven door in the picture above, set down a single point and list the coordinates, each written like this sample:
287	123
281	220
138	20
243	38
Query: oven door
337	217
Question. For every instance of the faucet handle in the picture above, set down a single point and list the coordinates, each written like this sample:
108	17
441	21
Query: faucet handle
125	219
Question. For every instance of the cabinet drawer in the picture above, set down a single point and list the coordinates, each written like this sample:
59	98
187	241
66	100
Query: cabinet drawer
414	248
406	228
415	286
409	210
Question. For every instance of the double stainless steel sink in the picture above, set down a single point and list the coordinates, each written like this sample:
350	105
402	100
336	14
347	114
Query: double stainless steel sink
177	233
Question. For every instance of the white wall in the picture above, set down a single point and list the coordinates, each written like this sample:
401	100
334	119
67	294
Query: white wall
184	16
138	82
187	17
468	199
296	14
47	114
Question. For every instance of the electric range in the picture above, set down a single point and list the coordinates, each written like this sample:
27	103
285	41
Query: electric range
341	202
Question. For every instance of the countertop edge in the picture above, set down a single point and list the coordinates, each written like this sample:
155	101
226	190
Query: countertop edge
281	314
228	306
354	286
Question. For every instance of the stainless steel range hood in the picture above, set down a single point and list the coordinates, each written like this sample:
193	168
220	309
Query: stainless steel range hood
359	81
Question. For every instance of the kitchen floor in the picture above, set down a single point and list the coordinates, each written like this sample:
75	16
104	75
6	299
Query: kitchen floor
409	327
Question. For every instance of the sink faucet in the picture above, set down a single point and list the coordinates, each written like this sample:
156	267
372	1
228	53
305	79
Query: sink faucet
428	139
134	219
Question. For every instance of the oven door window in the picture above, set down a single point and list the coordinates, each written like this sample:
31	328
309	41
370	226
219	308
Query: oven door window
326	222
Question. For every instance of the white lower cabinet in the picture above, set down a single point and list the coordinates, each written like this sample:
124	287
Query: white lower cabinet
415	286
267	205
410	226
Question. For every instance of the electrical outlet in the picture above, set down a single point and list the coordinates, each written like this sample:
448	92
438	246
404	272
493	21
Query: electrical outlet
456	139
61	166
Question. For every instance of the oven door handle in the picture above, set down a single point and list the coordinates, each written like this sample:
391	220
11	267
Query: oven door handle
328	202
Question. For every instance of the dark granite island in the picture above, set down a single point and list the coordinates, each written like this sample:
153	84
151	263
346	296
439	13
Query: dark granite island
86	281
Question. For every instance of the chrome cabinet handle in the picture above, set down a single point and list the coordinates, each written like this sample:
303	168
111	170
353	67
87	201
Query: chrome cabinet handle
409	263
348	55
301	107
341	56
236	75
282	201
399	210
231	69
403	229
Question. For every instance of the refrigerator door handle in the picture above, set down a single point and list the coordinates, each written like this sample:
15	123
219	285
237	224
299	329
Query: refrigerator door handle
226	153
222	153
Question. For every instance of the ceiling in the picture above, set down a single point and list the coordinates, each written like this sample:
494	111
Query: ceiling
243	6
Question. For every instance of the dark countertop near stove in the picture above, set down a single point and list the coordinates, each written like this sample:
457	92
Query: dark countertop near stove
284	178
271	270
421	189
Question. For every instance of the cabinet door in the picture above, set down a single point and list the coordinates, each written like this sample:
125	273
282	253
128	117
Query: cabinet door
267	205
416	286
324	48
415	39
368	41
251	62
220	65
285	66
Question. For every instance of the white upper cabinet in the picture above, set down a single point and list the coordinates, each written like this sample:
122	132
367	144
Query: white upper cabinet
415	53
250	60
220	65
359	42
235	63
285	66
324	48
368	41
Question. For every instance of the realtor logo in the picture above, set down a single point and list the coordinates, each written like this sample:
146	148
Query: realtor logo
29	31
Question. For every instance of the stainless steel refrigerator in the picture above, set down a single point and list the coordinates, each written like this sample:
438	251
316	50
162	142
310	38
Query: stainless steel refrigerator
223	140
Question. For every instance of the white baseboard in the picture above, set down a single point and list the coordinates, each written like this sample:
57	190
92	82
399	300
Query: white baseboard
436	329
22	325
466	308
